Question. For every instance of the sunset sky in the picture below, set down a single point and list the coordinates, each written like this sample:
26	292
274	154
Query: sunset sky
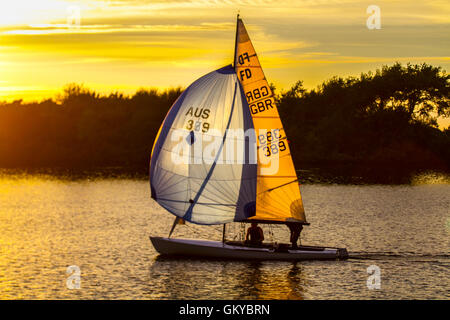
128	44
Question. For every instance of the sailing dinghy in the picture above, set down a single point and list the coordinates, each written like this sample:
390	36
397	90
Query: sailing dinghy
222	156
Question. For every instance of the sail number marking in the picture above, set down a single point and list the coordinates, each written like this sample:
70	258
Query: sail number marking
198	125
257	94
261	106
246	73
272	142
243	57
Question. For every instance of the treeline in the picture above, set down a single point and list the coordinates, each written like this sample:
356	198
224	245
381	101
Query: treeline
83	129
385	119
382	120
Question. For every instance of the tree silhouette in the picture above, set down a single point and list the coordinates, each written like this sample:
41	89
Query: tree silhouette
381	121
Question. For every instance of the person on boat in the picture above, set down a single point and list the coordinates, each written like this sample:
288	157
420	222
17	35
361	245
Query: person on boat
296	229
255	235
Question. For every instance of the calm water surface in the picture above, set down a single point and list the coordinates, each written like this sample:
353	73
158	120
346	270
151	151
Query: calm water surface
102	226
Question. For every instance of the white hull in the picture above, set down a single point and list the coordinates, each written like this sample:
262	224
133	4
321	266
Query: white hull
219	250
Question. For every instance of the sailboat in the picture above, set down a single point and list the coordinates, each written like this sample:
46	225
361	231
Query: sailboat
221	156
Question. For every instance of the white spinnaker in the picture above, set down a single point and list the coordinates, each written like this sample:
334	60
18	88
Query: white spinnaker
197	187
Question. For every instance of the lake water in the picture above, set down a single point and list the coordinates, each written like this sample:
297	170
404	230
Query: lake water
102	226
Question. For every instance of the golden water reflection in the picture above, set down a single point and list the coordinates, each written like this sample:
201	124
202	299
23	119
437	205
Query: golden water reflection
103	226
241	280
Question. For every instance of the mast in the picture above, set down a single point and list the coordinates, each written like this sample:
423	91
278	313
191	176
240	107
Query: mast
236	41
223	233
175	222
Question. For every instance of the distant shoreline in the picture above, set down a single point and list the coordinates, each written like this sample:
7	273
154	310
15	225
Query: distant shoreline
309	175
368	129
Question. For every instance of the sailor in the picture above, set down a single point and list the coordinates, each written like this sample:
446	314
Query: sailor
255	235
296	229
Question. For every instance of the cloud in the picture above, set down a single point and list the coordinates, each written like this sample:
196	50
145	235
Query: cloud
131	43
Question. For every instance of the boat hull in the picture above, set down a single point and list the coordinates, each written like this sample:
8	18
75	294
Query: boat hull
219	250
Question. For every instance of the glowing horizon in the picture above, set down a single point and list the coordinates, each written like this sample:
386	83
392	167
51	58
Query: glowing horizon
124	45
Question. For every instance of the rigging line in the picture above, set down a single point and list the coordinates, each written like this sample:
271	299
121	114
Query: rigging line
175	222
188	214
282	185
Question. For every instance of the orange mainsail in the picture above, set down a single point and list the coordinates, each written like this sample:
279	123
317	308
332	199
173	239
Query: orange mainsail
278	193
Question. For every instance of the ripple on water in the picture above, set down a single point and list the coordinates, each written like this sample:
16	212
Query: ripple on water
102	226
